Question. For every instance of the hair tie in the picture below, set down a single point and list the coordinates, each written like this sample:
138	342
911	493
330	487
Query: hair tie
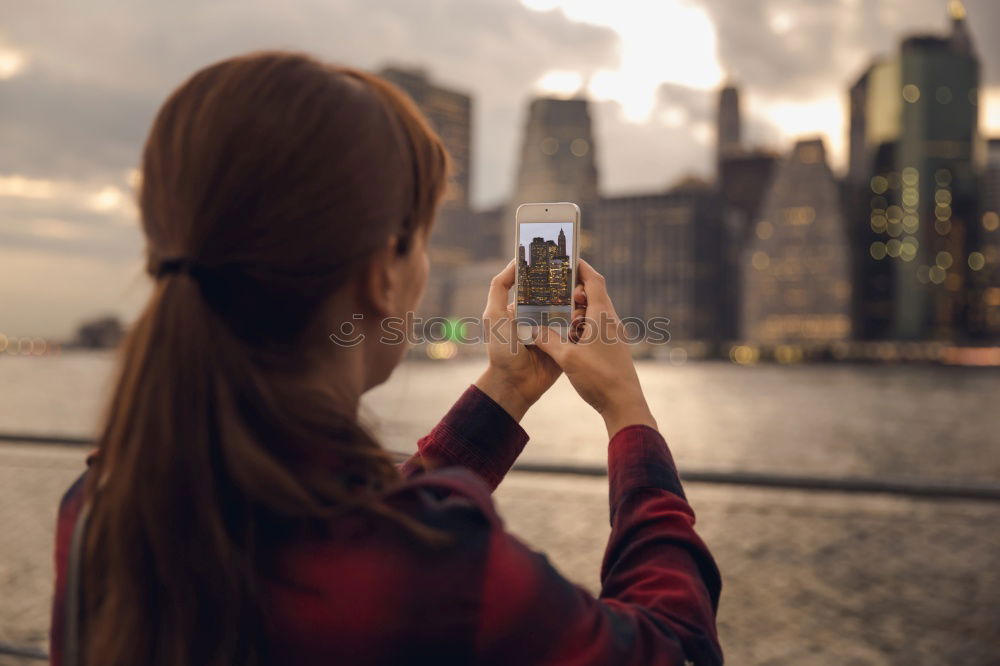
175	265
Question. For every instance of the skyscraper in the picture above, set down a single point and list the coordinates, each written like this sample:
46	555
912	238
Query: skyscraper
558	283
875	108
984	261
661	254
562	243
450	114
728	124
557	158
796	271
914	129
523	278
552	249
538	271
742	177
940	78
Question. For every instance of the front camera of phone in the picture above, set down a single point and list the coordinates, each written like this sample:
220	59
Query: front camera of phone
546	210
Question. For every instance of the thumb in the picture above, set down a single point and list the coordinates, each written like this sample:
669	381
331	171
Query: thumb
496	301
553	341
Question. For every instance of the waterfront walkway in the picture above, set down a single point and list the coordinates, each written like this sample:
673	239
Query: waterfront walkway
810	578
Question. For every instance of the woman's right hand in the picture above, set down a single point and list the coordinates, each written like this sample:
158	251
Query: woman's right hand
597	359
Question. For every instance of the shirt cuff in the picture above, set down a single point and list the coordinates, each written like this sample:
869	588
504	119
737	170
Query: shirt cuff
638	458
476	433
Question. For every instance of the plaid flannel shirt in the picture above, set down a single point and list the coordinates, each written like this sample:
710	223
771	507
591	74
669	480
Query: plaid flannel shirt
372	594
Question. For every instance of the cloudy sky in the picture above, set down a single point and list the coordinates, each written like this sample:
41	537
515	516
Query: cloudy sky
80	81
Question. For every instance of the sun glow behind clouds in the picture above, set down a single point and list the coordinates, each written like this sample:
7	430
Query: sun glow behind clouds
26	188
108	198
990	110
824	116
560	82
665	41
11	63
781	22
47	196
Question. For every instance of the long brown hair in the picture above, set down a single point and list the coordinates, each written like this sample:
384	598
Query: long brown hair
272	177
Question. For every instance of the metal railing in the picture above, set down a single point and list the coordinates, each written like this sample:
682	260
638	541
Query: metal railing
909	487
26	653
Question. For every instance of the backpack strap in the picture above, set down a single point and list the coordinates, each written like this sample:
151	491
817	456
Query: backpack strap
74	589
460	481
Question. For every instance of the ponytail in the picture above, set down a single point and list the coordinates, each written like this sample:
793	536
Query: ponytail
187	491
279	171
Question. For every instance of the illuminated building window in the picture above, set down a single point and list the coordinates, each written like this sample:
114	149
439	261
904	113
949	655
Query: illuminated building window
991	221
910	176
942	197
911	93
937	274
944	260
579	147
550	145
800	215
910	197
880	184
976	261
942	178
942	212
943	227
760	260
877	250
908	249
879	224
911	223
893	247
764	230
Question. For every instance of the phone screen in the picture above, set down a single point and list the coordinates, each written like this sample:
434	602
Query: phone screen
545	273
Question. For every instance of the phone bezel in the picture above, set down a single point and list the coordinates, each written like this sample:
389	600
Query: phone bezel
544	212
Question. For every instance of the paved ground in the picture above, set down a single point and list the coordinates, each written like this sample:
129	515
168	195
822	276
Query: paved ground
809	578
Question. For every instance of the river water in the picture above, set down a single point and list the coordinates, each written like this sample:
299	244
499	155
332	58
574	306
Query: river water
927	421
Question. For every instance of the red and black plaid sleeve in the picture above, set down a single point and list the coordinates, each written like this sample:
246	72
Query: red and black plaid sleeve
660	585
477	434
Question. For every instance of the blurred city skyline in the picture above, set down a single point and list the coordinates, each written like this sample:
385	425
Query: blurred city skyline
79	86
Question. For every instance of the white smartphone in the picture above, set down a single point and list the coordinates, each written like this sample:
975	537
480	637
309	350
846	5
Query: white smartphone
546	249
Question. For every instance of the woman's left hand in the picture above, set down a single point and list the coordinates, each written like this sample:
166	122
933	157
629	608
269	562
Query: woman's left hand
517	375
